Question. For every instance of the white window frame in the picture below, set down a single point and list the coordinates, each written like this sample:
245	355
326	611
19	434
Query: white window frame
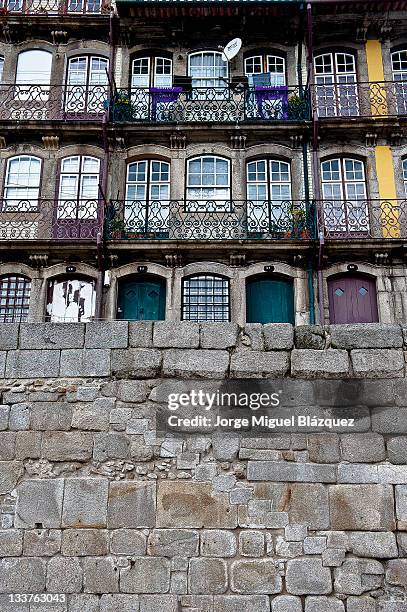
77	206
29	193
218	83
336	89
221	196
400	81
342	213
152	77
148	212
278	78
86	95
264	214
404	169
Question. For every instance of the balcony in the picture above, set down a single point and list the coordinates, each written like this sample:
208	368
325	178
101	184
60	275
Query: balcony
53	102
210	105
55	7
344	220
373	100
209	220
50	220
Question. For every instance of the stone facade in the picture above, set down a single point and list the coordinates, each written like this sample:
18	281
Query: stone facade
98	505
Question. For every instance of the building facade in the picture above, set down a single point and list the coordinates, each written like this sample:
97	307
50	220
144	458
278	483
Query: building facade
144	176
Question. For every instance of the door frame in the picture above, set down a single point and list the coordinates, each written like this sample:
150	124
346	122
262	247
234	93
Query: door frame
147	276
347	273
271	276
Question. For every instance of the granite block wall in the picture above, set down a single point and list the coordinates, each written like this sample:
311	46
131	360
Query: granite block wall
101	511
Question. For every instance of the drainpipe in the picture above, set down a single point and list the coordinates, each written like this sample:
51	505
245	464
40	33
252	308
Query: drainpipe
310	268
103	189
315	163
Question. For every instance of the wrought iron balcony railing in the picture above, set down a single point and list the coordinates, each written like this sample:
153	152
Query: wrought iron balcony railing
202	105
209	220
50	219
55	7
363	219
53	102
353	99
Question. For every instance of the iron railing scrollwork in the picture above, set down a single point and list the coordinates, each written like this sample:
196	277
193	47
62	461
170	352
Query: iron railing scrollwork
53	102
133	220
360	99
359	219
55	7
210	105
40	219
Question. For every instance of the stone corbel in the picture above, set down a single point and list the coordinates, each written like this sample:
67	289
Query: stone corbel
237	259
382	258
238	141
371	139
396	138
296	140
114	259
361	33
38	260
51	143
58	37
3	143
173	260
178	140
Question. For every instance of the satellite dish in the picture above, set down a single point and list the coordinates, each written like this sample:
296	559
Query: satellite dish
232	48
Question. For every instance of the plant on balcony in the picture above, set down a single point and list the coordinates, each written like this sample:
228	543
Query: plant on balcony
116	229
298	108
122	108
299	226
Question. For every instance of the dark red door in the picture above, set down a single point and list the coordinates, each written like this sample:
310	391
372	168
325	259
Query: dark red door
352	299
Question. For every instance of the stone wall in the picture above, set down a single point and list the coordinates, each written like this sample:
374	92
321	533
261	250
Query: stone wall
99	507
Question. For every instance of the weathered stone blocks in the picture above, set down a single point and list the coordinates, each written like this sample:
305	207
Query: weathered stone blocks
51	335
377	363
218	335
107	334
131	504
85	362
255	576
361	507
310	363
39	503
367	335
207	576
170	334
136	363
146	575
30	364
254	364
193	505
308	577
85	503
278	336
173	543
195	363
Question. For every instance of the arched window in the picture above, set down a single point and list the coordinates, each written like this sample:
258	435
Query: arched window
205	297
208	183
151	71
34	67
147	196
14	298
22	184
71	300
336	89
345	196
86	81
270	67
79	187
399	69
208	70
268	194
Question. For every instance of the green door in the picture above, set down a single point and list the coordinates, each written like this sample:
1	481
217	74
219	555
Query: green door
142	299
269	300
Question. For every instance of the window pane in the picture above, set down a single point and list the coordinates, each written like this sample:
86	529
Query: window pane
34	67
205	298
14	298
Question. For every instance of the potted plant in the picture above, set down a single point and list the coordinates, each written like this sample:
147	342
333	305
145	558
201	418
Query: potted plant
122	108
115	229
299	226
298	108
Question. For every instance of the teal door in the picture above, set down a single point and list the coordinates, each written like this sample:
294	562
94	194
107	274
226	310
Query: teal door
142	299
269	300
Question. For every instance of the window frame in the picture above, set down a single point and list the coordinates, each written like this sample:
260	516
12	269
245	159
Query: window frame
186	306
6	186
148	182
23	314
152	59
203	52
22	82
76	204
189	200
265	64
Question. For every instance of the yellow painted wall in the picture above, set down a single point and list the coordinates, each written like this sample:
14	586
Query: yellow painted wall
378	97
387	191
